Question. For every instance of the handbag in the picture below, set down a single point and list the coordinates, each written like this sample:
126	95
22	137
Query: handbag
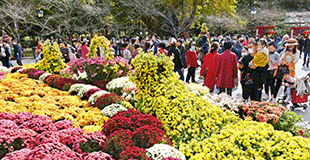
200	56
282	69
204	73
3	54
248	80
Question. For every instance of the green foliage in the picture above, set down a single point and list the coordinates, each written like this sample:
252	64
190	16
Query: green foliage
287	122
16	145
90	146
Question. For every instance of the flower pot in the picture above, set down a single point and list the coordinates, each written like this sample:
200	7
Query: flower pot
100	84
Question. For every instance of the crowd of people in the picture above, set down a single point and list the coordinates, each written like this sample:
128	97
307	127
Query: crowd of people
265	63
9	49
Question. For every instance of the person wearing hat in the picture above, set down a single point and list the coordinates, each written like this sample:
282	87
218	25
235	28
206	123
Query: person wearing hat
290	55
191	62
84	49
281	44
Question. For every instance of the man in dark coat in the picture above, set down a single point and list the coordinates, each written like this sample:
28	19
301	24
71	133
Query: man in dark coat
301	43
178	65
306	51
246	76
17	52
182	51
204	43
237	47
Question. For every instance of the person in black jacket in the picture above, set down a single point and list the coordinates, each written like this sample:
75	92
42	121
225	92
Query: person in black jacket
6	59
246	73
182	51
306	51
251	78
258	76
204	43
65	52
237	46
178	65
17	52
301	43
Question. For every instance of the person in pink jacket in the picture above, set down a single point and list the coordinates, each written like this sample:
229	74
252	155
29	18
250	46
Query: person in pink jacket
227	72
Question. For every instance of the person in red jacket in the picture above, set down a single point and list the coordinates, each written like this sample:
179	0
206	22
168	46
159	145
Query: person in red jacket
84	49
191	62
210	62
227	72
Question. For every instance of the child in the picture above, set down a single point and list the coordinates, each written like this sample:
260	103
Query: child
289	61
261	57
288	82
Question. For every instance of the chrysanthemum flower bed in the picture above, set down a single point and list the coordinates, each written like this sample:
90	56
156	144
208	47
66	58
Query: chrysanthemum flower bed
204	131
26	136
197	128
19	93
129	133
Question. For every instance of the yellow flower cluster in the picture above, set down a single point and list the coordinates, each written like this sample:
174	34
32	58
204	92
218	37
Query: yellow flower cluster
253	140
103	42
19	93
31	65
53	60
204	28
191	120
185	115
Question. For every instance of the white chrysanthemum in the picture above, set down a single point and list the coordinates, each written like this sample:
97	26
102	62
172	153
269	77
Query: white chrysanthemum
160	151
113	109
76	87
10	70
197	89
4	69
20	70
41	78
92	99
81	76
120	83
223	101
84	89
128	97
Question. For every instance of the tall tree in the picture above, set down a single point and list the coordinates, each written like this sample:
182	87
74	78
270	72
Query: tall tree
174	17
66	17
14	17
